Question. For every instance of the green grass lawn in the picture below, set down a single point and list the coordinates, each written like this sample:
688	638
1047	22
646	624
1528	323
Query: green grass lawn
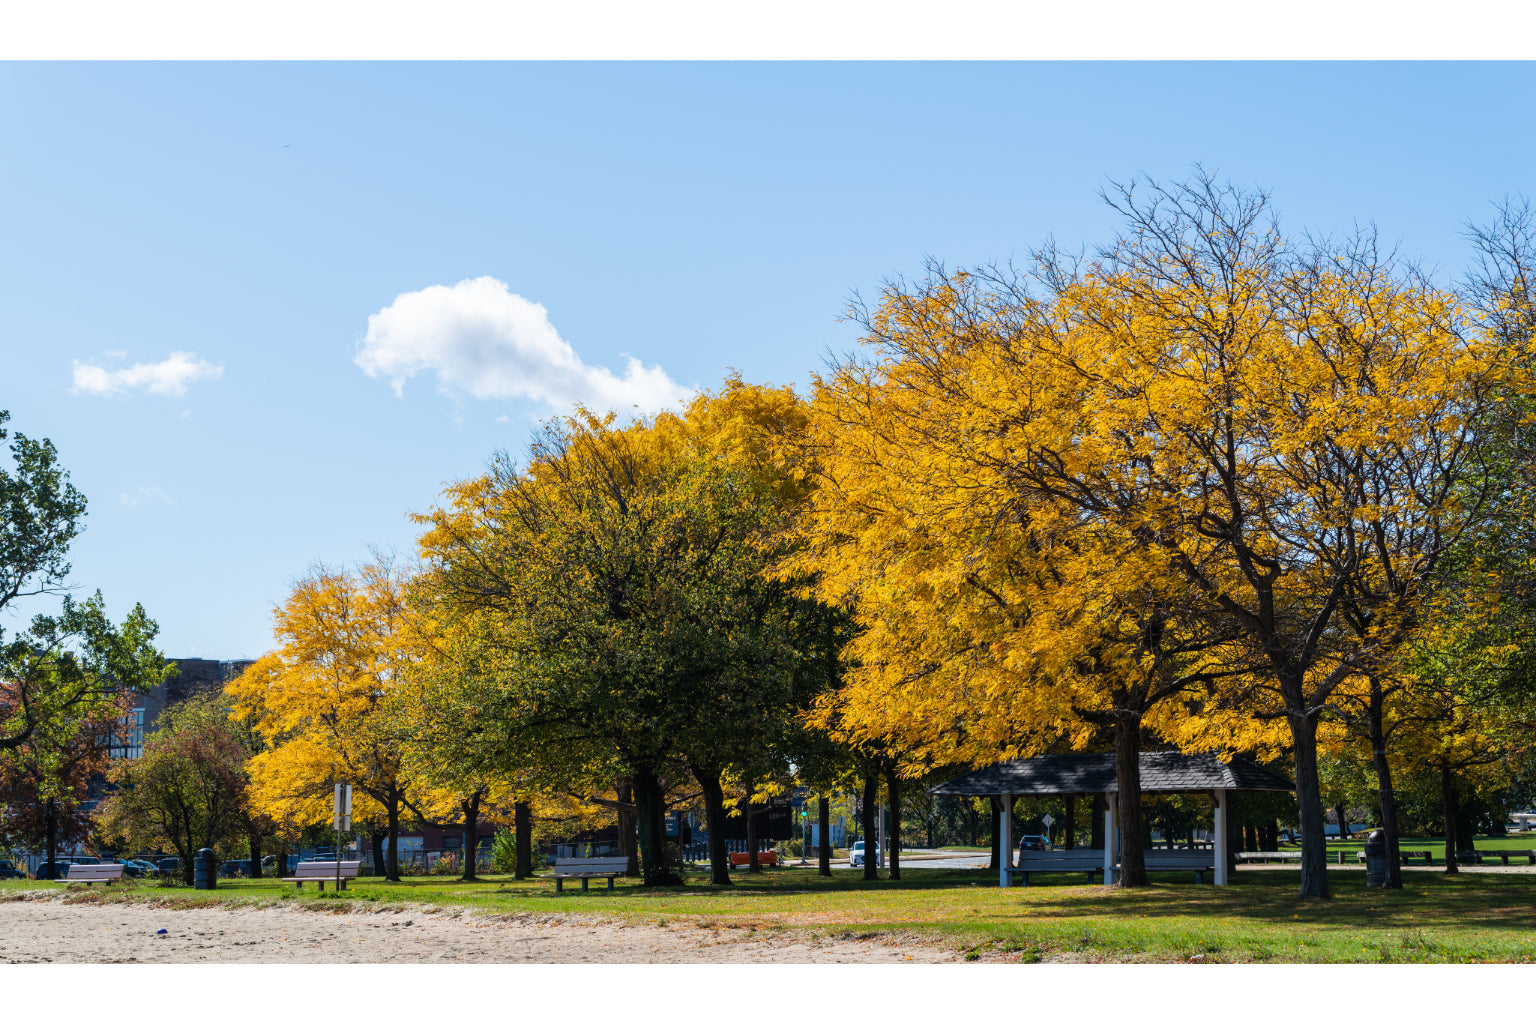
1434	919
1436	845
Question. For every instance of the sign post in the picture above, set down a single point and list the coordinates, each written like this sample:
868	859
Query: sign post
341	818
1049	821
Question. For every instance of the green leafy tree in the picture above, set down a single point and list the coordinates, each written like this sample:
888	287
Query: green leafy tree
617	577
189	789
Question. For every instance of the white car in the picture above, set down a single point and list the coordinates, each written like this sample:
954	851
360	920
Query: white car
856	854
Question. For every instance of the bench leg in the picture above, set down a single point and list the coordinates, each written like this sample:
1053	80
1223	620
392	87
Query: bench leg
559	885
584	882
1199	877
610	883
321	885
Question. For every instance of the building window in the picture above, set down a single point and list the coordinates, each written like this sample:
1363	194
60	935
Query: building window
453	842
129	744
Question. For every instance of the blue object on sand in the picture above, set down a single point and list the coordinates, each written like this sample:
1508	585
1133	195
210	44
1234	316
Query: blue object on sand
162	931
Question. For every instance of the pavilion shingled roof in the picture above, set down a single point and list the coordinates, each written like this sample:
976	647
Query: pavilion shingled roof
1162	771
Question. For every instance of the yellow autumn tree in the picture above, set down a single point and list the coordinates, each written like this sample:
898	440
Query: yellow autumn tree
344	640
1257	451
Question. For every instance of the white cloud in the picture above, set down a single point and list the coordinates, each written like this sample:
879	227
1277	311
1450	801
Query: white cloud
482	339
149	492
168	377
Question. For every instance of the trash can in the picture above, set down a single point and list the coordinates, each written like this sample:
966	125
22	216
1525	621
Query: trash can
204	870
1376	860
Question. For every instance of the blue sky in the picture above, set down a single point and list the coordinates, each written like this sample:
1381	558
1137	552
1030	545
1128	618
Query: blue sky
694	218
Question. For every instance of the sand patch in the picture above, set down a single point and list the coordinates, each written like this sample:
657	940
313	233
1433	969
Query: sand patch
52	930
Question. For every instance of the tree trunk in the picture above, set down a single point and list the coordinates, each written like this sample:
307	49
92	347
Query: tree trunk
1133	862
1309	804
714	819
254	841
1338	812
392	858
187	864
1233	836
377	835
1070	824
655	869
51	840
870	809
753	867
1448	800
893	840
997	809
471	836
624	790
1385	795
824	826
522	840
1466	831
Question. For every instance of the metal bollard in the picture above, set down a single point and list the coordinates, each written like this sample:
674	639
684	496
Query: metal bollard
204	870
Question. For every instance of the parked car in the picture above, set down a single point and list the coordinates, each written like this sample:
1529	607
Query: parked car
169	866
856	854
9	870
131	868
1034	843
149	867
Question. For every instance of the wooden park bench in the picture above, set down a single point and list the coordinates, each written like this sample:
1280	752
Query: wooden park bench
1087	861
1406	855
586	868
1504	855
765	858
1198	861
322	871
1271	857
92	873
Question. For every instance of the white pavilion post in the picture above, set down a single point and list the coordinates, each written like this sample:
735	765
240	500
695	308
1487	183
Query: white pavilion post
1219	798
1005	843
1111	834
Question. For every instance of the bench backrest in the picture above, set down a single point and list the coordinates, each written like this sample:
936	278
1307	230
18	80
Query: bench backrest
591	865
1045	860
1163	859
94	871
325	869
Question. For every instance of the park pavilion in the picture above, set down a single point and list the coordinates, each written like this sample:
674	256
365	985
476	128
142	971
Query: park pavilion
1093	775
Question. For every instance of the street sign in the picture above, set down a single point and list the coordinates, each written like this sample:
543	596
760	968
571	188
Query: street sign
341	808
1049	821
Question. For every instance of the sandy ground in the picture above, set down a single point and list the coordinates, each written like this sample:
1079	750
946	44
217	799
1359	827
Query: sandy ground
49	930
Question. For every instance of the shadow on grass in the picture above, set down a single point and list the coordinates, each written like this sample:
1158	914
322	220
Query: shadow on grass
1472	901
1498	901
